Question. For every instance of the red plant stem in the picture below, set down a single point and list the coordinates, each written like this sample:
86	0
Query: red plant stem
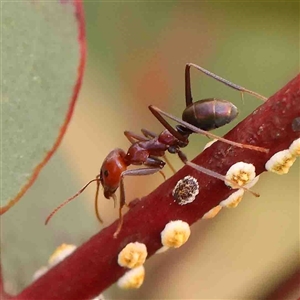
3	294
93	267
1	280
287	289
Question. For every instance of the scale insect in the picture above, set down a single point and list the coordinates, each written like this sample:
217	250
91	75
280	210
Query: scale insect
148	150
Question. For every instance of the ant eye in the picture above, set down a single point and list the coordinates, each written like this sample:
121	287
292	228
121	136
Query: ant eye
105	173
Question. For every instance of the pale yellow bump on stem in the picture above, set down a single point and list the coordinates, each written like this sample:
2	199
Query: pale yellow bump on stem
252	182
133	255
162	250
39	273
175	234
241	173
210	143
60	254
280	162
99	297
295	147
233	200
132	279
212	213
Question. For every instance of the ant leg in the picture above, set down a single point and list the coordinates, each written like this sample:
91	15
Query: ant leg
135	172
158	115
211	173
153	161
188	93
97	179
163	175
133	137
122	203
200	131
148	133
169	163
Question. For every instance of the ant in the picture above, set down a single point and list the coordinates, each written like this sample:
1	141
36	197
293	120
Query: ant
149	149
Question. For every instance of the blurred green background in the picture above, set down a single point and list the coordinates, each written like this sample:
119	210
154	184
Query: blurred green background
137	52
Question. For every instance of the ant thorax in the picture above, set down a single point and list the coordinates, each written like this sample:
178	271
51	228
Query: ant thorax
167	138
136	154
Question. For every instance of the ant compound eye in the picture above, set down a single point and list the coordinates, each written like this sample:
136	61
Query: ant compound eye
105	173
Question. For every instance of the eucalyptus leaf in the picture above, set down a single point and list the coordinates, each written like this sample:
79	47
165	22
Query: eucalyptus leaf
42	63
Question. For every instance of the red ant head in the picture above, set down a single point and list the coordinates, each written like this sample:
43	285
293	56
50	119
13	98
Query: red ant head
111	171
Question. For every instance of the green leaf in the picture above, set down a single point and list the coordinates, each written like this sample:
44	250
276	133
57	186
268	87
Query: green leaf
43	54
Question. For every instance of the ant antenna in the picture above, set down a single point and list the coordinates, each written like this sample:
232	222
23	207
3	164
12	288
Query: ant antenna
73	197
115	200
96	200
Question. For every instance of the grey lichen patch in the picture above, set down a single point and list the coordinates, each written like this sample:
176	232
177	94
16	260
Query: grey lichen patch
186	190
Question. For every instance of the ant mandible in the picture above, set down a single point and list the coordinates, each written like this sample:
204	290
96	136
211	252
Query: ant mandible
148	149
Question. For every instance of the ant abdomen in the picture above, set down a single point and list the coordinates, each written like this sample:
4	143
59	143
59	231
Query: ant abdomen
209	114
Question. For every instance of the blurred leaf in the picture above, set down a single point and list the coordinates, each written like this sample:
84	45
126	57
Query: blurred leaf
43	54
